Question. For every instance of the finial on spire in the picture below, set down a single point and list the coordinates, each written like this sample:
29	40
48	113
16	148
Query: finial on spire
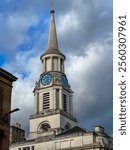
52	40
52	7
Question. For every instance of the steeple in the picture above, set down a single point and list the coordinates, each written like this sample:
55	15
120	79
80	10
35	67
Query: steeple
53	112
52	39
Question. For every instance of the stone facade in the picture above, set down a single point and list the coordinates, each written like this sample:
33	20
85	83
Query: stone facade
17	134
78	139
6	80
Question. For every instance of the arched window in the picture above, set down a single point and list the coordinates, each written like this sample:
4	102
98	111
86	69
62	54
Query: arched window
44	127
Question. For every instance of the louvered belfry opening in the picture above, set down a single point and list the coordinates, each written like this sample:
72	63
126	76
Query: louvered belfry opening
46	101
65	102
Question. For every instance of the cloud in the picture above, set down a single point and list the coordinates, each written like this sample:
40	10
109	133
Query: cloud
85	22
91	78
27	68
13	32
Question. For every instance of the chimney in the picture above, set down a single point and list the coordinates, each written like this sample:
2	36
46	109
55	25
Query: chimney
99	129
19	125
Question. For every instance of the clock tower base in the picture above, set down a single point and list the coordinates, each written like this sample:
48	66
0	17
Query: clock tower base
50	122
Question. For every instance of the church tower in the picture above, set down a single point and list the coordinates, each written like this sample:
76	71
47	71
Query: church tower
53	112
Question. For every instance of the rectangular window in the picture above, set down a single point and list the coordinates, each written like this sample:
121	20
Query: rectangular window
32	148
46	101
65	102
26	148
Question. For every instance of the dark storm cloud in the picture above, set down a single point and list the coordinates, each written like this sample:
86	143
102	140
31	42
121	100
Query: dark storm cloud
94	23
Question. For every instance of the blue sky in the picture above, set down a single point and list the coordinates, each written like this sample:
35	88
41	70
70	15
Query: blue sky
84	31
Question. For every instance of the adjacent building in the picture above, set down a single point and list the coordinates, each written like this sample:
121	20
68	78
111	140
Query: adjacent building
6	80
53	126
17	134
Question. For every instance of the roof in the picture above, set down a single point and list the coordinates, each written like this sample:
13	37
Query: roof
7	75
73	130
52	51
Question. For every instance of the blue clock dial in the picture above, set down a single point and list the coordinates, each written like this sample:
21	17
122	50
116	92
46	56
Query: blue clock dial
46	79
64	81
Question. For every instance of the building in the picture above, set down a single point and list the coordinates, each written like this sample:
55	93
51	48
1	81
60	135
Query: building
53	126
17	134
6	80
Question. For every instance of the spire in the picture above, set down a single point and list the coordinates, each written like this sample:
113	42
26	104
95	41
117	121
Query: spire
52	39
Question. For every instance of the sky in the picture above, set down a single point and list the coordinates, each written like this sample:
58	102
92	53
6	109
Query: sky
85	36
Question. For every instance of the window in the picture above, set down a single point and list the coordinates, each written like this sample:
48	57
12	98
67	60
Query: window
46	101
1	134
32	148
44	127
26	148
64	102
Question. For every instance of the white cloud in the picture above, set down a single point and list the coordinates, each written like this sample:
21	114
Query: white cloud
67	22
14	28
18	22
27	68
91	78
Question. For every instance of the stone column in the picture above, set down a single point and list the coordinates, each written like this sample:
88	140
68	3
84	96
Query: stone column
51	63
44	65
61	100
71	104
59	65
54	99
40	102
35	103
63	68
68	104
